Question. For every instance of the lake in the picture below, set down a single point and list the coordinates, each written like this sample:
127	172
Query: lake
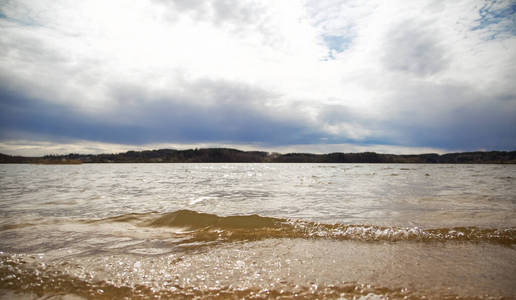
367	231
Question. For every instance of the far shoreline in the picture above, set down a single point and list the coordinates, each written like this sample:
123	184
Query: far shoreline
228	155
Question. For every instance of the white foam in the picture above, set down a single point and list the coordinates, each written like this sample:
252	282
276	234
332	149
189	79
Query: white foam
199	200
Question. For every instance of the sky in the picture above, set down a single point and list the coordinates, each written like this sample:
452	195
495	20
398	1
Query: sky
319	76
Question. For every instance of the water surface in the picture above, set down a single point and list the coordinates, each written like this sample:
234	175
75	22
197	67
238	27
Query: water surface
258	230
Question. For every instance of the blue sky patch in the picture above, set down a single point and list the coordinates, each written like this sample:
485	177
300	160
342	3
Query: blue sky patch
337	43
491	15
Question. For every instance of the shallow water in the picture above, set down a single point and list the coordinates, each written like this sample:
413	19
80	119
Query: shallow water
258	231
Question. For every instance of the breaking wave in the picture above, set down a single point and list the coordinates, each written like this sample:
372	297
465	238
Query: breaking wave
204	227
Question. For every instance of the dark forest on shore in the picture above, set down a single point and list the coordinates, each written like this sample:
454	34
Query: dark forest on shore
225	155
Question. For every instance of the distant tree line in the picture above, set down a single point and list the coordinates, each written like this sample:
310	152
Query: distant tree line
225	155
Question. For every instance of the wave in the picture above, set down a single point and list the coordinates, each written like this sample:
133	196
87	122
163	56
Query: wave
204	227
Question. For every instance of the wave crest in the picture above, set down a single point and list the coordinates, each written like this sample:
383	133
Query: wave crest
204	227
192	219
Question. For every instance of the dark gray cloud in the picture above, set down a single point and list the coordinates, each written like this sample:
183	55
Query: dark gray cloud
219	111
477	126
139	117
452	116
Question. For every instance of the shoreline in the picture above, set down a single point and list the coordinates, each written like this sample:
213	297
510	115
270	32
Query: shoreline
226	155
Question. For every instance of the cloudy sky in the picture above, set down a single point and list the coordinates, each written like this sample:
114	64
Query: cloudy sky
294	75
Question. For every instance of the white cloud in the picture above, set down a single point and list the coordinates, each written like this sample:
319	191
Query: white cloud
404	65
